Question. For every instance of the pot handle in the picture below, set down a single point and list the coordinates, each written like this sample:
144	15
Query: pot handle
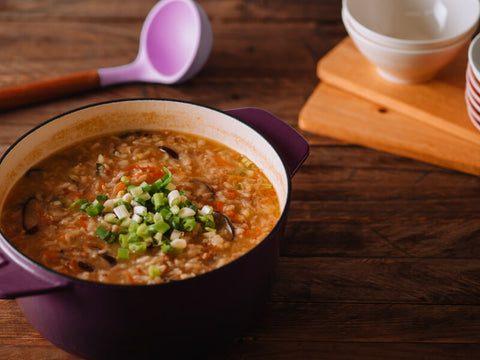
290	144
18	281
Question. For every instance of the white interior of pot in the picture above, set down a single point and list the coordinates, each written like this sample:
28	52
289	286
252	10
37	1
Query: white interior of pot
141	115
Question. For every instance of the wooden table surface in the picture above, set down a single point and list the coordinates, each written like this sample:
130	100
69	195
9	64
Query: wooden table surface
381	256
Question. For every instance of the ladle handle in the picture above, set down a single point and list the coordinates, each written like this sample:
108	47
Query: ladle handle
20	95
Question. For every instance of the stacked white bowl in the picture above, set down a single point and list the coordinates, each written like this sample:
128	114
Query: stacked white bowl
472	87
409	41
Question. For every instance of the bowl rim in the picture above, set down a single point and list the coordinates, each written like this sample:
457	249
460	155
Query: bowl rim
71	280
392	41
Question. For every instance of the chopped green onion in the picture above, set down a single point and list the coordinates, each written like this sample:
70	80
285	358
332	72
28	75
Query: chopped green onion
158	200
158	237
154	270
146	215
186	212
135	191
206	210
123	240
121	212
132	228
131	238
174	198
175	222
79	202
163	182
140	210
145	187
122	202
138	246
123	253
189	223
111	218
137	218
175	209
160	227
149	218
94	208
102	233
142	231
169	249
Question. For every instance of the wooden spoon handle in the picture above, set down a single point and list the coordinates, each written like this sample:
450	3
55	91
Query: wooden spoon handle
16	96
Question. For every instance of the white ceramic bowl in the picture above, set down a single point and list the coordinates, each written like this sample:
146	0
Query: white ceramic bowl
404	66
414	24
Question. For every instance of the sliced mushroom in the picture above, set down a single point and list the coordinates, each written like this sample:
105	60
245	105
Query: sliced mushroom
202	190
224	226
110	259
86	266
30	218
169	151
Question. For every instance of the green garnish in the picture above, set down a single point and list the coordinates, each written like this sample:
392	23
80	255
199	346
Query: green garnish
154	270
101	232
146	216
123	253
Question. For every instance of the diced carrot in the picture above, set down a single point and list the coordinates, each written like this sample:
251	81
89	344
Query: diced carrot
119	187
266	200
130	278
231	194
133	166
218	205
269	192
148	173
82	222
220	161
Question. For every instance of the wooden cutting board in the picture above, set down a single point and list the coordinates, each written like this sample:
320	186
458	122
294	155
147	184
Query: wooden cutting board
427	121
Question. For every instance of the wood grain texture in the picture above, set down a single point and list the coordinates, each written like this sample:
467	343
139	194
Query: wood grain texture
439	103
340	114
380	259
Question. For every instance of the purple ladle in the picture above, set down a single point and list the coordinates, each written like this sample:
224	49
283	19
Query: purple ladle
175	43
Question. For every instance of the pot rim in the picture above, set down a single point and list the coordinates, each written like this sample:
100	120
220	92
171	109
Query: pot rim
72	279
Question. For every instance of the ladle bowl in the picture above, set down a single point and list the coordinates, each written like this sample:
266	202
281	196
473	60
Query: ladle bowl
175	43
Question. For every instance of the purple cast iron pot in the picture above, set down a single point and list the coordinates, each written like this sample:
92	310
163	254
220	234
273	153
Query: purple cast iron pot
104	321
